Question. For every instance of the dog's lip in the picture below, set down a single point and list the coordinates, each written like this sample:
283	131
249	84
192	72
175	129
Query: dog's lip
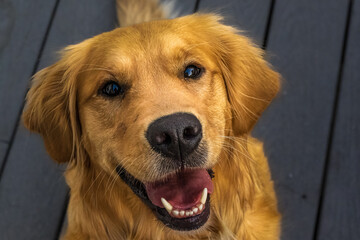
181	224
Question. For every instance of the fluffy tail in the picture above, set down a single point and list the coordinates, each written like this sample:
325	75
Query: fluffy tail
130	12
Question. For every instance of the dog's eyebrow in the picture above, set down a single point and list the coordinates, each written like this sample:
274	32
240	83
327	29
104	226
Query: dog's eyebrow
123	60
114	72
101	69
94	67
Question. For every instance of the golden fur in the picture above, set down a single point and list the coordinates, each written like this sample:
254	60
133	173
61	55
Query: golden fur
94	134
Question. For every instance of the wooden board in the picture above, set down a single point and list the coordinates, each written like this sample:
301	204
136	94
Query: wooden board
32	192
76	21
32	188
247	15
306	43
340	217
23	26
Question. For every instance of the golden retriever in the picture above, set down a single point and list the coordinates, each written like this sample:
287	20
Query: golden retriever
154	121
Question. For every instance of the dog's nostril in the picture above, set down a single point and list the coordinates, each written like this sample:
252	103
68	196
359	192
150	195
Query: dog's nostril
191	132
162	138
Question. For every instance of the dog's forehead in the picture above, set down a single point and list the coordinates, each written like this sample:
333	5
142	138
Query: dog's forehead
150	50
148	41
158	46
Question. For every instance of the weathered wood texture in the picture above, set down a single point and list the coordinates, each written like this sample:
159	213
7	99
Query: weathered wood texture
76	21
247	15
23	26
32	192
340	217
306	43
32	188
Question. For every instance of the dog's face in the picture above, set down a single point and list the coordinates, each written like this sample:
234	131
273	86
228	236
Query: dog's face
154	104
145	87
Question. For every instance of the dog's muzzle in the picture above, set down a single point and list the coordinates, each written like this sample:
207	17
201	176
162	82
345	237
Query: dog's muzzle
181	200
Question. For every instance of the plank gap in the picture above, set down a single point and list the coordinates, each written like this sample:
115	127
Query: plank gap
36	65
268	24
62	221
333	121
196	8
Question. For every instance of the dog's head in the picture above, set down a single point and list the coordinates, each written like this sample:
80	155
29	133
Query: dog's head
154	104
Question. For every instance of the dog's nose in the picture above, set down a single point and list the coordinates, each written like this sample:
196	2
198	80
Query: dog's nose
175	136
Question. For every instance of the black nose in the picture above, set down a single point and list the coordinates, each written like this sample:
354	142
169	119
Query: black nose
175	136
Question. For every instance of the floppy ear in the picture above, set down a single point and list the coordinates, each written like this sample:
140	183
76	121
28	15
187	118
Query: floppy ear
251	83
50	108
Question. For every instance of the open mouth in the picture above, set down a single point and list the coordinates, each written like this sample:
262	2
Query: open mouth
181	201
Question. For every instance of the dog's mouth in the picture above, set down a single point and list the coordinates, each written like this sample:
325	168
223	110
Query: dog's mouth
181	200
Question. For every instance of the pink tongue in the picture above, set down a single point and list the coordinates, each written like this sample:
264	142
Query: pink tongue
182	190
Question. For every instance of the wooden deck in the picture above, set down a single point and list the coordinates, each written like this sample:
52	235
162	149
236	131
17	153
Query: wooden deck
311	131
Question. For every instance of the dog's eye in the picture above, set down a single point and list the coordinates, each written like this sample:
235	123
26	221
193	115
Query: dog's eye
192	71
112	89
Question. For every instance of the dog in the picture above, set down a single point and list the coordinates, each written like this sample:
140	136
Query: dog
153	120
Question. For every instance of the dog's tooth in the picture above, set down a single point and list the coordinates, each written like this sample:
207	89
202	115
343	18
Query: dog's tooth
201	206
175	212
187	213
182	213
204	196
195	209
191	213
167	205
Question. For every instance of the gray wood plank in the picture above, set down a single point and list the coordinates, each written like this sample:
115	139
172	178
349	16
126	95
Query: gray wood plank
247	15
340	217
76	21
306	43
32	188
23	26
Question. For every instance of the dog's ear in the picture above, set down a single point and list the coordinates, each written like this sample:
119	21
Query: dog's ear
50	108
250	82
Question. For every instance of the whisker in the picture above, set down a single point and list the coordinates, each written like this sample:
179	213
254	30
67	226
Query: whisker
92	184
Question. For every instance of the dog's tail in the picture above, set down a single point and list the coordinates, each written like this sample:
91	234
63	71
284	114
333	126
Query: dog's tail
130	12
